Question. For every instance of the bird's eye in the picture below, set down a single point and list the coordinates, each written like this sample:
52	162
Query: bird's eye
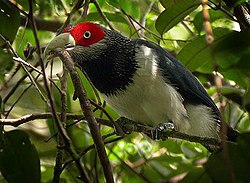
87	34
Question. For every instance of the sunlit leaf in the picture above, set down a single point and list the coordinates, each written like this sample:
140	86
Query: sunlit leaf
175	14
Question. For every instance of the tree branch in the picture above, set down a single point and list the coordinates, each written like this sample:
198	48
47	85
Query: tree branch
45	25
86	108
127	125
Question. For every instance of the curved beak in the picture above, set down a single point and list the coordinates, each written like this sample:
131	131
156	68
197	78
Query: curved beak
64	40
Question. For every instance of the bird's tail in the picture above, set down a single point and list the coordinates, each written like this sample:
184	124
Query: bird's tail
232	134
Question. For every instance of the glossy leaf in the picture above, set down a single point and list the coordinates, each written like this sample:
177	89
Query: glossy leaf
231	48
19	161
175	14
197	53
10	21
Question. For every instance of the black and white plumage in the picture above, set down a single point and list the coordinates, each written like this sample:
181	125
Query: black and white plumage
143	82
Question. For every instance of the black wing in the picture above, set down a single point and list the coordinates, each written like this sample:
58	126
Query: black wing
182	79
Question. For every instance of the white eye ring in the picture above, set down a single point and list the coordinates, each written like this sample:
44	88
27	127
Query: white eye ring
87	34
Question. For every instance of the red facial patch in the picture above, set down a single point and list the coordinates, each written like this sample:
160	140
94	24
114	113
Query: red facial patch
86	33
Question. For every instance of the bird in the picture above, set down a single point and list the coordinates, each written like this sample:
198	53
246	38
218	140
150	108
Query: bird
142	82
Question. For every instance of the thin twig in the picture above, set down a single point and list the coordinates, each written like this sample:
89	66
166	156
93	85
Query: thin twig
28	73
19	98
219	7
19	7
85	9
77	6
143	177
149	31
144	17
102	14
115	125
88	148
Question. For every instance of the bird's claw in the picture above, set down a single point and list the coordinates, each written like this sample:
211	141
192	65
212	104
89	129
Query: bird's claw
123	123
156	132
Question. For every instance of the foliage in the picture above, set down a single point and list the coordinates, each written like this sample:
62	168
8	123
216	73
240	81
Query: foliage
175	25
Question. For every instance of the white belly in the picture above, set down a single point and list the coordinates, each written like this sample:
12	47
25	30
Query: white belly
149	100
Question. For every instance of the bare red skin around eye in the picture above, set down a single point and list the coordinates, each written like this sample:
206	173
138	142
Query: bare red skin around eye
78	33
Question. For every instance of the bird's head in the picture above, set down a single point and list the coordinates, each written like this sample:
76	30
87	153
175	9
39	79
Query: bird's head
85	38
105	55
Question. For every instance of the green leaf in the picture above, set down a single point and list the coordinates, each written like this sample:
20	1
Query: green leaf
10	21
197	53
244	64
231	48
167	3
113	17
237	76
19	161
175	14
114	3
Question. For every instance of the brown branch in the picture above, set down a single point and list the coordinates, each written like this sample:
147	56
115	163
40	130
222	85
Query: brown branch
61	129
86	108
30	117
44	25
60	143
128	126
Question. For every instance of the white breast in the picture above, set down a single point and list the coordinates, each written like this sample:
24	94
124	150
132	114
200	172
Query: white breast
149	99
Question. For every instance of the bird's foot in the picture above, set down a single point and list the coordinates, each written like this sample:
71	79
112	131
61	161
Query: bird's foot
125	125
157	132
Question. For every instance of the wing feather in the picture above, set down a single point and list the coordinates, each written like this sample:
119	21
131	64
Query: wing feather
182	79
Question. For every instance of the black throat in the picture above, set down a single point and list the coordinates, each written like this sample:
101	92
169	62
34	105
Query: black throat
110	69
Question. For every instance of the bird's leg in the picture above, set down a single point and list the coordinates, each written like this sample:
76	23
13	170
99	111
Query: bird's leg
156	132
